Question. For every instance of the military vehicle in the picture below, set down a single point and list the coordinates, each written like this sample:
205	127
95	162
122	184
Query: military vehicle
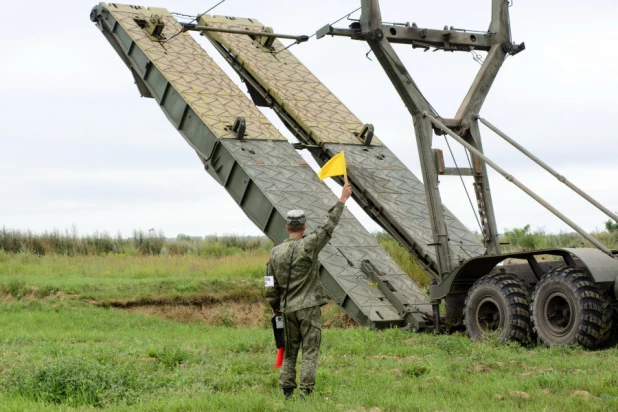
569	298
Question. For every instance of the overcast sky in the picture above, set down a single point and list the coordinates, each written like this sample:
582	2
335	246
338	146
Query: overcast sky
79	147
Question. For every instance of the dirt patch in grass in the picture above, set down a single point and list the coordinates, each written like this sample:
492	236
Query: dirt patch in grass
398	358
231	313
334	317
246	313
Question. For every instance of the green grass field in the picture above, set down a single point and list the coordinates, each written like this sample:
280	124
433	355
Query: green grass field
62	354
120	279
67	343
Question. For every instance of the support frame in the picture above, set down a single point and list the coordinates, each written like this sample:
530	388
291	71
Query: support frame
498	43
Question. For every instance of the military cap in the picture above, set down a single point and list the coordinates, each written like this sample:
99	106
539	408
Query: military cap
296	217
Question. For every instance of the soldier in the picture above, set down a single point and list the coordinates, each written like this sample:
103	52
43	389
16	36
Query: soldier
293	288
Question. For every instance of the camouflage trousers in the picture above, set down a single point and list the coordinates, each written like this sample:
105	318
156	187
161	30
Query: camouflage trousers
303	329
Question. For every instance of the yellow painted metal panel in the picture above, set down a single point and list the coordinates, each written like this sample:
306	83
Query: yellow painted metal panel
198	79
304	97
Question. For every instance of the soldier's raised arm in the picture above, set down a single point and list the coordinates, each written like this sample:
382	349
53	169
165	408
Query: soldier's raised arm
315	241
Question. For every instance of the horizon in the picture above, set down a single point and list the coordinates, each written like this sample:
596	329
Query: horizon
69	232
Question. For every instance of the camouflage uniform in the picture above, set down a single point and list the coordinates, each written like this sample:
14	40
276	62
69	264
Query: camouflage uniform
304	298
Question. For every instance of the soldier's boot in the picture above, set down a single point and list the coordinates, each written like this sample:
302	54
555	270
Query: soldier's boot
287	393
305	392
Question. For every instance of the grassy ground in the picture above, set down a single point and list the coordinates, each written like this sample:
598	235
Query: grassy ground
63	346
121	279
135	278
59	354
189	250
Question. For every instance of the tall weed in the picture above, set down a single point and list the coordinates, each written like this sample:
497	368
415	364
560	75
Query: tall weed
170	356
403	259
143	243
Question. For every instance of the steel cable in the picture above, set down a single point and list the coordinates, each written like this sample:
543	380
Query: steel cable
463	184
194	19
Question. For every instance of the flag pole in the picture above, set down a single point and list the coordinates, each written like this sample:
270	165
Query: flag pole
345	178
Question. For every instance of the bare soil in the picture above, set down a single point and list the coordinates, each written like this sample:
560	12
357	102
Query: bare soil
254	314
231	313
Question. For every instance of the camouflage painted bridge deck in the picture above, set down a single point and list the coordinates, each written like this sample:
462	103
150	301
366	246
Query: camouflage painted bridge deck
390	193
262	172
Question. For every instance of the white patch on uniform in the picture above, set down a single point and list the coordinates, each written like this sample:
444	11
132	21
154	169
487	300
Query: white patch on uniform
269	281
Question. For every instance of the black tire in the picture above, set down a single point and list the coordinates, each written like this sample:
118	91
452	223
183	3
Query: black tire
568	308
609	332
498	304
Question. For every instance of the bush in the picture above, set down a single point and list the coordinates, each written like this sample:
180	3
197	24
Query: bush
178	248
68	243
16	288
147	243
611	226
218	250
523	238
183	238
77	382
150	243
244	243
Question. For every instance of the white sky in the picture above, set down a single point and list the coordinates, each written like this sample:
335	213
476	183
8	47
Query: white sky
80	147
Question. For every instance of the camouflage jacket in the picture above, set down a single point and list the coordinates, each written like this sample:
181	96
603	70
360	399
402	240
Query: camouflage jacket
305	288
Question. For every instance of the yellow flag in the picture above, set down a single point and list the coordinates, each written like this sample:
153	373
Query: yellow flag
334	167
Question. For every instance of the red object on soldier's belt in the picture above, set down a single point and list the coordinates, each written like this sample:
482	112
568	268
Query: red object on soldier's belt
279	361
278	325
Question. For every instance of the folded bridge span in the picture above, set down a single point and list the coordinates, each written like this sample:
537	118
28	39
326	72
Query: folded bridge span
258	167
387	190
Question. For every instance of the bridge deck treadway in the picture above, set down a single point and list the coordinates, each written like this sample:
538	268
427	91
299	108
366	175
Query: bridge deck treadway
390	193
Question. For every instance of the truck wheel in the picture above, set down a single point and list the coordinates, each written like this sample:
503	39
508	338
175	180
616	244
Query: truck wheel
498	304
609	332
568	308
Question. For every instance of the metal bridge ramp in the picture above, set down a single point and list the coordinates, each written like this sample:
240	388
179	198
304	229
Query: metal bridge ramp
389	192
260	170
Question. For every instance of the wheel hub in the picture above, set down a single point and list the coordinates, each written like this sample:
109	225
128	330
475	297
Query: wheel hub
489	315
559	313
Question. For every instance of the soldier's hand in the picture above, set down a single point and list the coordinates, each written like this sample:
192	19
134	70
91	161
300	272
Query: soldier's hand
346	193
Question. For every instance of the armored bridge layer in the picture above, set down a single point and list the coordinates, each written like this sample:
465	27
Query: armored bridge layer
388	191
258	167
